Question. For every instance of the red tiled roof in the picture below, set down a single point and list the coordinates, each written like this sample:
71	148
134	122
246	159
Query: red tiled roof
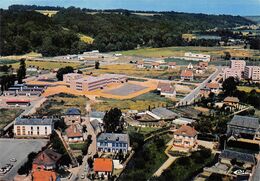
73	131
140	62
47	157
103	165
186	73
155	64
213	85
186	130
172	63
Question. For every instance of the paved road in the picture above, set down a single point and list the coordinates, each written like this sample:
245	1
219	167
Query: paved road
194	94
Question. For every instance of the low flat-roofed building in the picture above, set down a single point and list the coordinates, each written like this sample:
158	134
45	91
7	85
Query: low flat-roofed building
162	114
183	121
72	116
103	167
113	142
71	76
18	103
33	127
197	57
243	125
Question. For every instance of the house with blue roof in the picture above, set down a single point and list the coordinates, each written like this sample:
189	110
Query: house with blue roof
72	116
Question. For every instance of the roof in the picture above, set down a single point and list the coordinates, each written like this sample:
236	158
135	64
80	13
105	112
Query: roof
113	137
231	99
33	121
96	125
203	64
183	120
44	175
172	63
186	130
213	85
186	73
74	131
17	101
244	121
103	165
244	157
140	62
47	157
97	114
163	113
73	111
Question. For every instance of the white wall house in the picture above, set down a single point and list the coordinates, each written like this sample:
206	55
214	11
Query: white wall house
32	127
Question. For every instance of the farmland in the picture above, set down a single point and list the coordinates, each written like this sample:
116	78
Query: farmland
8	115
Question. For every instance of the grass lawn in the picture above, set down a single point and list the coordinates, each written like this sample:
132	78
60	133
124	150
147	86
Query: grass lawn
58	104
179	51
139	103
7	61
46	65
76	146
248	89
131	70
8	115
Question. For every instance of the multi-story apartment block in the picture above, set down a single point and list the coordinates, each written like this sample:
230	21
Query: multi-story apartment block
252	73
238	65
112	142
236	69
33	127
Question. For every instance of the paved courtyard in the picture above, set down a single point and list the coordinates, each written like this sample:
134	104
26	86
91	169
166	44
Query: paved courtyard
126	89
18	149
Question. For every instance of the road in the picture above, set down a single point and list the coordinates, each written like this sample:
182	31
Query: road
194	94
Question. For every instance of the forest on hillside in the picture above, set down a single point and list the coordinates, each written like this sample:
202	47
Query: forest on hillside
24	30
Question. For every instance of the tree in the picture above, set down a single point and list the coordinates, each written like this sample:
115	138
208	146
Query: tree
21	72
230	86
97	65
113	121
227	56
63	71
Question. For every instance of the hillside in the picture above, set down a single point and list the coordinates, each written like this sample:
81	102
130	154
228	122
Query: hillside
254	18
25	31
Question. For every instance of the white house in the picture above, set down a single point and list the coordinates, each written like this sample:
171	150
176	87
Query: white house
33	127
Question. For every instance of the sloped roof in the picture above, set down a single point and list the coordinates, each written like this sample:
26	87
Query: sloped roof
33	121
44	175
239	156
186	73
103	165
244	121
113	137
231	99
73	111
96	125
97	114
73	131
172	63
186	130
47	157
163	113
213	85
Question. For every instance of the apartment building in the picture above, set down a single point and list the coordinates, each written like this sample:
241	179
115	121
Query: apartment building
252	73
33	127
238	65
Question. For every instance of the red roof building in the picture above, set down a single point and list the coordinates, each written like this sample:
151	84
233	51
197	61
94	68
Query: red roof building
46	160
103	166
74	133
185	136
187	75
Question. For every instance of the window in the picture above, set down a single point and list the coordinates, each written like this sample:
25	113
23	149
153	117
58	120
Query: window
23	130
18	130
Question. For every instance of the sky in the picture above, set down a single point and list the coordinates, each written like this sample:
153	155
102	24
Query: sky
234	7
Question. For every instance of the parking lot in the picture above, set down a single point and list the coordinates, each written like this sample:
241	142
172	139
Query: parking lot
17	149
126	89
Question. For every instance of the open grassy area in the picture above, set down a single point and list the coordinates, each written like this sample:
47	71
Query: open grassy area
58	104
8	115
131	70
76	146
179	51
17	57
139	103
46	64
86	39
248	89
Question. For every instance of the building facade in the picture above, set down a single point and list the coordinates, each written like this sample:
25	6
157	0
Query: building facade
113	142
72	116
33	127
185	136
71	76
252	73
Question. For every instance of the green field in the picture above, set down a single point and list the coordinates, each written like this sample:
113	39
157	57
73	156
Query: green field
248	89
57	105
179	51
8	115
139	103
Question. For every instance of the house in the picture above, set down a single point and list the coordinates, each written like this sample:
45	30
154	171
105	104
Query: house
203	65
210	87
140	64
172	65
190	66
72	116
25	90
96	126
74	133
113	142
161	114
231	101
199	70
166	89
103	167
44	175
155	65
46	160
244	126
187	75
97	115
33	127
248	160
185	137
